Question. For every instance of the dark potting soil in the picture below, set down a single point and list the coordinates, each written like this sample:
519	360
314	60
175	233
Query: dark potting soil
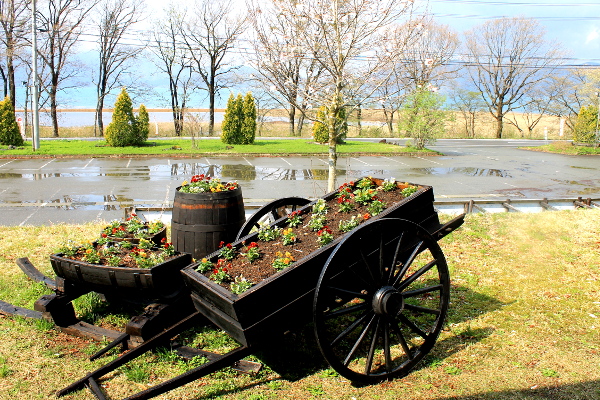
262	267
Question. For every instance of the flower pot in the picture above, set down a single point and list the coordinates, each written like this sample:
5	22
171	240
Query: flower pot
162	281
200	221
155	238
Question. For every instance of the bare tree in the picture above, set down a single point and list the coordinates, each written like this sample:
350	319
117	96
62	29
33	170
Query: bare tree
429	48
508	57
340	35
62	22
115	18
13	22
283	63
572	89
469	104
174	61
209	36
535	105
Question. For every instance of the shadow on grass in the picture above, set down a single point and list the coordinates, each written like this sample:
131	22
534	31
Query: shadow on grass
578	391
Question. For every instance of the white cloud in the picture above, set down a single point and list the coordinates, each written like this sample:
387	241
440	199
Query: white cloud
592	36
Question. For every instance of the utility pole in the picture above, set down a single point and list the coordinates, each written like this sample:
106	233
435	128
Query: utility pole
34	102
598	120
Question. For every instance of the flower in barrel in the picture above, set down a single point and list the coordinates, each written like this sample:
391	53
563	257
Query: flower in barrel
206	184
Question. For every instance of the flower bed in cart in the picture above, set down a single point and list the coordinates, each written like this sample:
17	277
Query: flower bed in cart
238	268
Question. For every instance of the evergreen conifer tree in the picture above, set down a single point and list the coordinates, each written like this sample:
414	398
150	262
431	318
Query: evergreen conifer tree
321	128
142	125
232	121
122	130
248	128
10	135
584	130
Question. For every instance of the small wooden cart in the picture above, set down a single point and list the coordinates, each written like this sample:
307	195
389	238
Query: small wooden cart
377	297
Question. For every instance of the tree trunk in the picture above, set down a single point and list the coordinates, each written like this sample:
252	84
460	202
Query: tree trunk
211	107
499	120
5	85
178	121
99	120
389	120
300	125
54	109
332	150
359	118
472	127
12	91
292	120
332	165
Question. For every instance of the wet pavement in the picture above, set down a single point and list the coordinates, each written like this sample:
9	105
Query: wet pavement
46	191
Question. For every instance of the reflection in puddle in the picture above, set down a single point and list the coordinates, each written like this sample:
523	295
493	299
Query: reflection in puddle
465	171
109	202
244	172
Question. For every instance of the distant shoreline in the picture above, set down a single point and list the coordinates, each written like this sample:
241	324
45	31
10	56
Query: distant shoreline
109	110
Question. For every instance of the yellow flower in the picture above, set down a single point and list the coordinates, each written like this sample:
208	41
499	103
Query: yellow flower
185	183
204	260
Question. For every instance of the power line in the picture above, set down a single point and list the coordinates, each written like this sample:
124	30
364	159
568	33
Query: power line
515	3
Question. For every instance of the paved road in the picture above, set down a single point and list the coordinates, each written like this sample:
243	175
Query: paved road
45	191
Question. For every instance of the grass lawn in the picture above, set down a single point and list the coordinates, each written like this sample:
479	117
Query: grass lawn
567	148
183	147
524	323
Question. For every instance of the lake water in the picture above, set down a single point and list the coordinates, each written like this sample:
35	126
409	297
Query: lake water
86	118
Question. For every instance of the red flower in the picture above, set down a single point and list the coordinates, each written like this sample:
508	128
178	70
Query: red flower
163	240
104	235
229	246
367	216
221	244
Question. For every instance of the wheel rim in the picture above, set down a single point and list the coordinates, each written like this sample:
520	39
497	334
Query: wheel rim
372	321
270	213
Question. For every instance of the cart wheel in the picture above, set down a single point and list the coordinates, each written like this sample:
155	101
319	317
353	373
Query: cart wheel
381	300
271	212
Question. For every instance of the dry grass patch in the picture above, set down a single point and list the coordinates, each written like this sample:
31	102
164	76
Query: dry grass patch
524	323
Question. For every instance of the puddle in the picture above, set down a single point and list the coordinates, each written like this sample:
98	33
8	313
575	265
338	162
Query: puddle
464	171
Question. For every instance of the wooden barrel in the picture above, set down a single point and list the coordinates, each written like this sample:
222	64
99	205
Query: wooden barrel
200	221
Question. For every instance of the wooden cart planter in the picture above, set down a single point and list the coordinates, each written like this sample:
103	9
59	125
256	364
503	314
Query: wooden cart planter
377	296
162	281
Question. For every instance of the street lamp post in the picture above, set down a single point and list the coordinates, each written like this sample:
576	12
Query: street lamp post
34	101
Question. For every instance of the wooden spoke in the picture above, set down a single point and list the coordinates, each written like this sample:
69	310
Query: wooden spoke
381	300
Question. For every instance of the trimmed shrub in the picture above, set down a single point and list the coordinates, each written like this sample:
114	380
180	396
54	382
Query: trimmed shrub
10	135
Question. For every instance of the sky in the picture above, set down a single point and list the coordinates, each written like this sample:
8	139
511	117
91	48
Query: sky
575	25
